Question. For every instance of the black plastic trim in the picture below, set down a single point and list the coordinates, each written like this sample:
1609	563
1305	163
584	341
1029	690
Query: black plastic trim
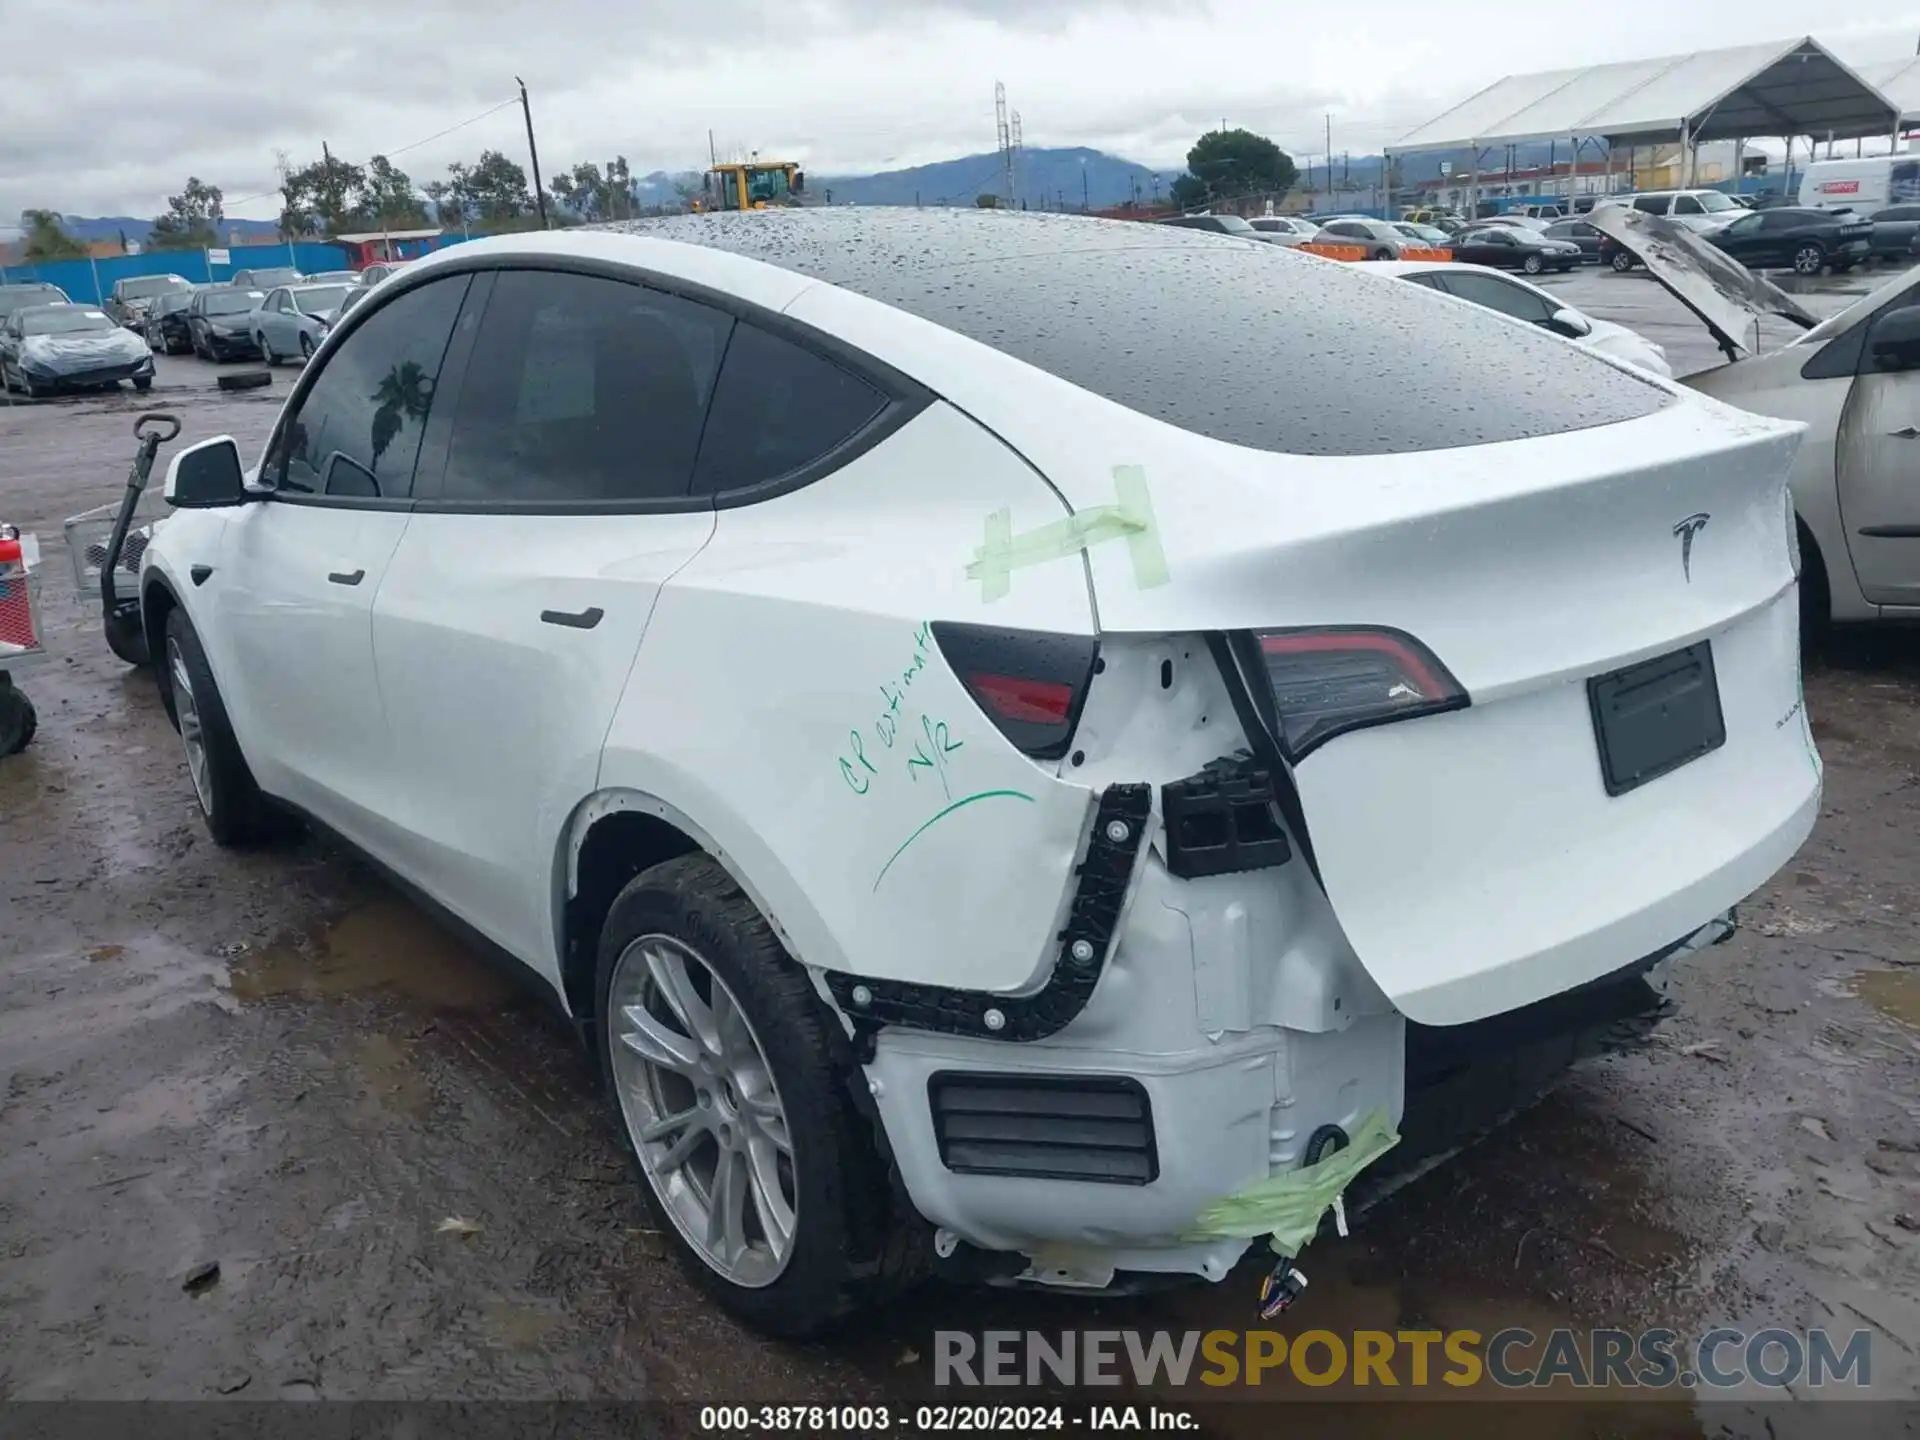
1112	1115
1891	532
1253	708
1714	736
582	620
199	574
1223	820
1093	917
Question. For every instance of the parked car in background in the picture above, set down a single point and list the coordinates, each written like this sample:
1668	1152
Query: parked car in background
1431	236
1864	185
45	349
1505	248
166	322
1700	210
130	298
219	322
1532	223
1379	238
1896	232
1577	232
265	279
1518	300
353	297
1854	381
20	297
380	269
1805	241
1284	229
1219	224
872	968
1447	220
294	319
332	277
1548	212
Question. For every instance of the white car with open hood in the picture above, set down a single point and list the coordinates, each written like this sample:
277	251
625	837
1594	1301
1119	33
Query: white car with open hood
993	772
1853	380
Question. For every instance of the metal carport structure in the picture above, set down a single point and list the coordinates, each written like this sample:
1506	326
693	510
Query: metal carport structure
1783	89
1899	81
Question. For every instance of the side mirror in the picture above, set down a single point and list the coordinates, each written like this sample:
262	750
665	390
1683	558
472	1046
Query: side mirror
1894	341
206	476
1571	323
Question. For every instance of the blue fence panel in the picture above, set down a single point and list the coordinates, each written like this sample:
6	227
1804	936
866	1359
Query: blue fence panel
91	281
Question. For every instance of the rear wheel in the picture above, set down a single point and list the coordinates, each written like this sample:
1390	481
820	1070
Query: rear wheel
1531	265
733	1092
1808	259
1622	261
1383	254
17	718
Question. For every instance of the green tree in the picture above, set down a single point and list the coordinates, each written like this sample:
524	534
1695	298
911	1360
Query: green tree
46	240
318	198
192	221
385	199
593	196
493	190
1226	163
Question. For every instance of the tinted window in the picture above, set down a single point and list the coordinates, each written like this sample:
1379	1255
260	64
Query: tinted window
1191	332
778	407
1686	205
1652	204
357	431
1499	295
1783	219
583	390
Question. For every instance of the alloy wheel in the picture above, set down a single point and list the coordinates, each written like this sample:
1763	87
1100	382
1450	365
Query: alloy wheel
702	1109
193	738
1807	260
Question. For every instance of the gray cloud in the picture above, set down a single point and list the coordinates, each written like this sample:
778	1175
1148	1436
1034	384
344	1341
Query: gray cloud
116	103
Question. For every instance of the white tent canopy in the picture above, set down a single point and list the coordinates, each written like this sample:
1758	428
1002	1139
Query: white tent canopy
1793	87
1899	81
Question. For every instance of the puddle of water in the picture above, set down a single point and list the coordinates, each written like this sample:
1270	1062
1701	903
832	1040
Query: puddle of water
1894	993
386	942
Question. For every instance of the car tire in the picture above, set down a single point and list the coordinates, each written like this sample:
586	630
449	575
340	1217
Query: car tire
18	719
684	928
306	346
143	383
1531	265
1809	259
1622	262
267	357
230	802
1382	255
1816	595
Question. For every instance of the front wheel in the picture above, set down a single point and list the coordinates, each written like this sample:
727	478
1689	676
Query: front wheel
306	347
1808	259
733	1093
1531	265
266	350
17	718
231	804
1622	262
143	383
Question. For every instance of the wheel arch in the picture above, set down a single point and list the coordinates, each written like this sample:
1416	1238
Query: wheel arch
158	600
612	836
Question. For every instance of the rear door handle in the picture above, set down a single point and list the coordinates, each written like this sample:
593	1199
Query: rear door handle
1906	432
347	577
585	620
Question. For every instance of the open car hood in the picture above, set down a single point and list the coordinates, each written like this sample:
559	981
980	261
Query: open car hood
1727	296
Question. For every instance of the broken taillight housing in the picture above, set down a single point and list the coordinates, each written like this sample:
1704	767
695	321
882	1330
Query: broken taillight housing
1030	683
1328	680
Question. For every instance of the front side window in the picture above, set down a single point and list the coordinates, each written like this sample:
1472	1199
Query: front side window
1686	205
583	390
778	407
356	432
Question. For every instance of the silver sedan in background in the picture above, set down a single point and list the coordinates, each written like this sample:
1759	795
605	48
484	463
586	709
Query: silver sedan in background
294	319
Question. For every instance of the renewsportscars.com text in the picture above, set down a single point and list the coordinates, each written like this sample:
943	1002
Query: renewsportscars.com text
1719	1358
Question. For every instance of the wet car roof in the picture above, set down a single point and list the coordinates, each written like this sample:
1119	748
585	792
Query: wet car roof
1237	340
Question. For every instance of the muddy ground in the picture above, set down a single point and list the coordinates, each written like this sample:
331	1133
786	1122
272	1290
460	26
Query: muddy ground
273	1064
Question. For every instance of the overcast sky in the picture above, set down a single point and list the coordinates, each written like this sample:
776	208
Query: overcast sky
106	107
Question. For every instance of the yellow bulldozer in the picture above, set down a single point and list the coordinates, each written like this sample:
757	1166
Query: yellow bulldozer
752	185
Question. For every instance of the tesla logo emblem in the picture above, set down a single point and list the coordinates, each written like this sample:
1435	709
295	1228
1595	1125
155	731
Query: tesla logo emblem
1686	530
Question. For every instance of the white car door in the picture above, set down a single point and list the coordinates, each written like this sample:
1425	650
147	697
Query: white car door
1877	460
298	573
510	618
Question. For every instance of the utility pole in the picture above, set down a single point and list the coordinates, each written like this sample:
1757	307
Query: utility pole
1003	141
1083	187
1329	154
533	153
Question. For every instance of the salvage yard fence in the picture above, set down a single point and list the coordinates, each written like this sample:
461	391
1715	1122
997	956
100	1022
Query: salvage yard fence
90	281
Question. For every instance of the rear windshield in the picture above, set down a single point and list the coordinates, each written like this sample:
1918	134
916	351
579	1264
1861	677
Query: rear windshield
1248	343
150	286
314	299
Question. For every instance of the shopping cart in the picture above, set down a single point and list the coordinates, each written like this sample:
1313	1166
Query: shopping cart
105	544
21	641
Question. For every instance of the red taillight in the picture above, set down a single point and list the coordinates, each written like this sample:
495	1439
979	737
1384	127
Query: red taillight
1031	684
1330	680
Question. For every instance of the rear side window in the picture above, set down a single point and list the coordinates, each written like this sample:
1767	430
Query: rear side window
357	431
583	390
1652	204
777	409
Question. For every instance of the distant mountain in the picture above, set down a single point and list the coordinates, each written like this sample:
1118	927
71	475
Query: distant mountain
1053	177
112	227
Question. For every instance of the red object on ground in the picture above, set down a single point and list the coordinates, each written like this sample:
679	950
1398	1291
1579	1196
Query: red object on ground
16	611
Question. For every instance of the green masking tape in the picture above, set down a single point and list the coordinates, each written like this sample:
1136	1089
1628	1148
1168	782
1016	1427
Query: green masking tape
1288	1207
1002	552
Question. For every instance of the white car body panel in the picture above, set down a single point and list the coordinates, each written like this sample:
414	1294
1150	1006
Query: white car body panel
844	859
